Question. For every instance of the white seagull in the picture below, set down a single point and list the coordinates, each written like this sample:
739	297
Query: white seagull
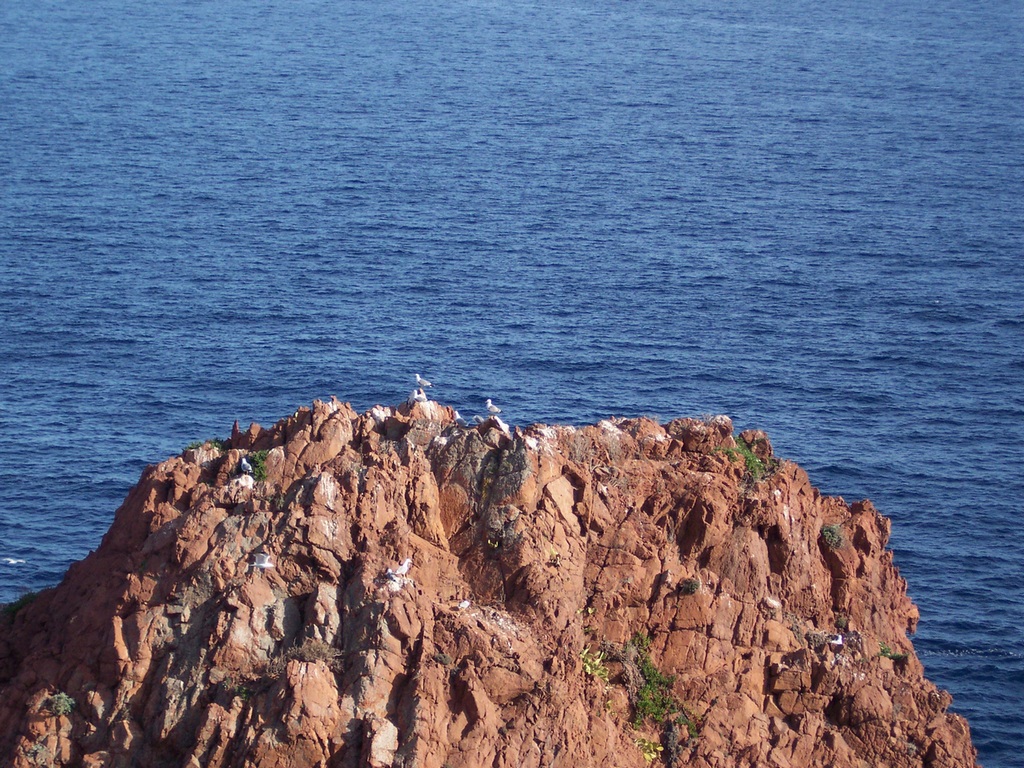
492	408
419	396
245	466
460	421
402	569
479	419
421	382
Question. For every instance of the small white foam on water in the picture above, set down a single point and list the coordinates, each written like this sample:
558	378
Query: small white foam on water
996	653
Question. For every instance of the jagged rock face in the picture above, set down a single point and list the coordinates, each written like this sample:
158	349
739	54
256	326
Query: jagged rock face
628	542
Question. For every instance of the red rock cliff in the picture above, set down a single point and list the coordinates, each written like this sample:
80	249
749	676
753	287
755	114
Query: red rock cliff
594	596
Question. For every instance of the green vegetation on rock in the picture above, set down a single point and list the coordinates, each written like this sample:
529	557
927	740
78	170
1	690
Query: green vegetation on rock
11	609
258	459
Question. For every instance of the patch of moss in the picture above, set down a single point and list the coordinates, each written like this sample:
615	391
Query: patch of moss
11	609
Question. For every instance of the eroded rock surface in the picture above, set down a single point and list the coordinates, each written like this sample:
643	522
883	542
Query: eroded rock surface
779	646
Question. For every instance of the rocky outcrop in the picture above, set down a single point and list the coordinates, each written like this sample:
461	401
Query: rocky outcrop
443	596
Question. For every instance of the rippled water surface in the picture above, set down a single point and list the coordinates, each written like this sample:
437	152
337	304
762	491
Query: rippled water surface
805	215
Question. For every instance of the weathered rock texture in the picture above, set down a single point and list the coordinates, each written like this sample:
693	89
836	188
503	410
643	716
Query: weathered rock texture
526	549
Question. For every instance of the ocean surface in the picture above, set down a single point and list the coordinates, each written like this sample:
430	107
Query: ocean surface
808	216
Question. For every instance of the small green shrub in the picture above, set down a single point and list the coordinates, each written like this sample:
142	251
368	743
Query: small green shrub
273	668
690	586
316	650
832	535
886	652
650	692
60	704
309	651
593	663
641	642
242	691
580	449
654	698
690	723
816	640
11	609
651	750
258	459
443	659
755	467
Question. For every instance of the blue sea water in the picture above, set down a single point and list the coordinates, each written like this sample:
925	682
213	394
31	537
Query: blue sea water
809	216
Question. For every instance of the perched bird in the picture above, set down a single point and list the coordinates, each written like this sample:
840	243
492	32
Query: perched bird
402	569
492	408
245	466
419	396
262	561
421	382
479	419
460	421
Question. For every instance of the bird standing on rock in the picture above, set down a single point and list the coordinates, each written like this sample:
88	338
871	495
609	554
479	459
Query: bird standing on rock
492	408
421	382
245	466
402	569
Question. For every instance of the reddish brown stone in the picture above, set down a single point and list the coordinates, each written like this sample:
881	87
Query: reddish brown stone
523	550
